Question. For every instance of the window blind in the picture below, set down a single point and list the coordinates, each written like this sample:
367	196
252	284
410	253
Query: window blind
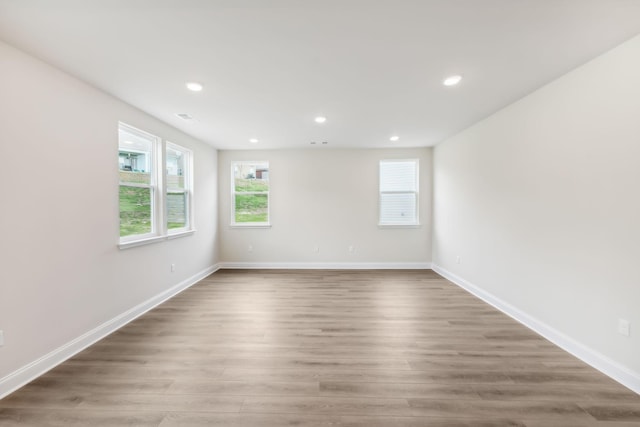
398	192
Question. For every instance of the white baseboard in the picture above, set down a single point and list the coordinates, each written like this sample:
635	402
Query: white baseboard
602	363
33	370
328	265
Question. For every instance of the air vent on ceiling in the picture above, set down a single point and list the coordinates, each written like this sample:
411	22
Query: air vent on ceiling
185	116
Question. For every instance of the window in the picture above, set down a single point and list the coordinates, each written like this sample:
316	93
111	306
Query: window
153	205
178	182
137	157
250	193
399	193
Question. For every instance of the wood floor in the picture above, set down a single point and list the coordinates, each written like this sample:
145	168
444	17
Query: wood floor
323	348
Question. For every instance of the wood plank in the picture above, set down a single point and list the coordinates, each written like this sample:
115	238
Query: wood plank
323	348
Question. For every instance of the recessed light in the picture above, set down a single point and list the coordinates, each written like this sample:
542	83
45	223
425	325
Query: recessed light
394	138
320	119
194	86
253	141
452	80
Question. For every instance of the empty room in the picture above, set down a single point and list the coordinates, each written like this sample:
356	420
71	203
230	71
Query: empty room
356	213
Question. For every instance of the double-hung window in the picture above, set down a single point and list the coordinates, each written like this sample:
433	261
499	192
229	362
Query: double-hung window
399	193
156	188
139	198
250	193
178	183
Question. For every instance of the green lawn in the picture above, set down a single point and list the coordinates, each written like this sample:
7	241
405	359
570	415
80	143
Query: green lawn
252	208
135	207
247	185
135	211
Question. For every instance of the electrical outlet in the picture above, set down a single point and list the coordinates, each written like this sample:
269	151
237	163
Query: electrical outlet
173	268
316	248
1	338
458	259
250	248
352	249
624	327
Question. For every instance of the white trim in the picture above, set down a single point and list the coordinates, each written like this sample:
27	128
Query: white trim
328	265
602	363
183	233
155	239
33	370
140	242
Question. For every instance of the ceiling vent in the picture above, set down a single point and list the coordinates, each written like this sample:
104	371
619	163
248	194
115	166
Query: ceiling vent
185	116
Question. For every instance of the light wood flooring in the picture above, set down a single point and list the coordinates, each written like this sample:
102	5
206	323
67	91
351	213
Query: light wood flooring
323	348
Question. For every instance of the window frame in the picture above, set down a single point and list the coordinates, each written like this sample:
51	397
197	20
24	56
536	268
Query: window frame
187	190
157	185
415	224
233	222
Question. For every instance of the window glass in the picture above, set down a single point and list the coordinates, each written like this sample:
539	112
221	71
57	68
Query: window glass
178	187
136	153
250	193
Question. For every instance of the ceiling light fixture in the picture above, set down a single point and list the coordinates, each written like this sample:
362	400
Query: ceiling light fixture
320	119
452	80
394	138
253	141
194	86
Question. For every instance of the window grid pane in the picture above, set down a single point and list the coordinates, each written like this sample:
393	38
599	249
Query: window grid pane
177	211
398	208
176	166
398	176
251	208
136	215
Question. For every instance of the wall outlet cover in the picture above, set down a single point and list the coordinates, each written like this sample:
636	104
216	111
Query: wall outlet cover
624	327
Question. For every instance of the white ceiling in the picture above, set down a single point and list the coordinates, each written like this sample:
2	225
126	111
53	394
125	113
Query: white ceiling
374	68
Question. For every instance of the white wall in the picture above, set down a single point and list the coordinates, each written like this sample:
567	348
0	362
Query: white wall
329	198
62	274
541	201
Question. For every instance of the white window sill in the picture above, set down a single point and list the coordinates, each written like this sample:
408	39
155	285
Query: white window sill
399	226
140	242
154	239
181	233
250	226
